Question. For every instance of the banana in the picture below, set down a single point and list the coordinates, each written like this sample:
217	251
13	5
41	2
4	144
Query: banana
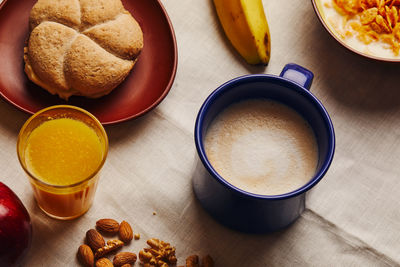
246	26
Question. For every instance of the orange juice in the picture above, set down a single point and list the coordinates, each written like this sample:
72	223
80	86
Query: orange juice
62	151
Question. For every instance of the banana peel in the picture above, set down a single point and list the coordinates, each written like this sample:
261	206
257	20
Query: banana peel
246	26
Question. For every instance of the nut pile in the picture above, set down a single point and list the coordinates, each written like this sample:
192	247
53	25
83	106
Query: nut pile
377	20
92	253
158	254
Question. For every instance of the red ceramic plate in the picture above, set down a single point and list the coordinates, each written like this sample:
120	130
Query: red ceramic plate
145	87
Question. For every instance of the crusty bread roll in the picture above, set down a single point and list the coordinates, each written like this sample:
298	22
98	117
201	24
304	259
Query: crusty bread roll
81	47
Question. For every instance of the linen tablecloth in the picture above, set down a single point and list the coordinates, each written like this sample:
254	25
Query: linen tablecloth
352	216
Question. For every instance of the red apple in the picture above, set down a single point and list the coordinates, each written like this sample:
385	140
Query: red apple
15	228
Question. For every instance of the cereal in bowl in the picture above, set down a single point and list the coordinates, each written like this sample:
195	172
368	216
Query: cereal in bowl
369	26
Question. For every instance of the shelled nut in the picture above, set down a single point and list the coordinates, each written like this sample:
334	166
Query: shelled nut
160	253
104	262
85	255
94	239
110	226
124	258
111	246
125	232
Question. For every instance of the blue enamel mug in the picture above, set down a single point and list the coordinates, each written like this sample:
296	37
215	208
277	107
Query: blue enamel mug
245	211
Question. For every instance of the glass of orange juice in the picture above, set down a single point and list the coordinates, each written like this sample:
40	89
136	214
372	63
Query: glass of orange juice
62	149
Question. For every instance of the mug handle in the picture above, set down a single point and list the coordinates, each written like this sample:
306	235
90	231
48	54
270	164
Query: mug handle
298	74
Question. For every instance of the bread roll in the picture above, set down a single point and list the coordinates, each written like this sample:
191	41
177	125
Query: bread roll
81	47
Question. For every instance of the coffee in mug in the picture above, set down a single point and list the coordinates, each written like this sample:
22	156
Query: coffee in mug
262	146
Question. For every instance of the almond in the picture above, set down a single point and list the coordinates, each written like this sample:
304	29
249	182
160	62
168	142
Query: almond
126	265
124	258
107	225
94	239
85	255
104	262
125	232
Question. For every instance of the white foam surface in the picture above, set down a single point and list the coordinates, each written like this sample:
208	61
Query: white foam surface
262	147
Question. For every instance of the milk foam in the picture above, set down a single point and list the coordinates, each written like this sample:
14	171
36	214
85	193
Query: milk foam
262	147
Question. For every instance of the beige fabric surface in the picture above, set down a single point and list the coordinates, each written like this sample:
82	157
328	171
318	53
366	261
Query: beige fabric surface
353	214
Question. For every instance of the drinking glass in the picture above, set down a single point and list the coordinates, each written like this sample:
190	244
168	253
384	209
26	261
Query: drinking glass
68	201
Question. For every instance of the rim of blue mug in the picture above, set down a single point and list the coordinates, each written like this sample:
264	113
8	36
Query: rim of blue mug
270	79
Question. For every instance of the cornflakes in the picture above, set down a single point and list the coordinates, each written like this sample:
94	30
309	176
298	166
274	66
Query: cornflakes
378	20
368	15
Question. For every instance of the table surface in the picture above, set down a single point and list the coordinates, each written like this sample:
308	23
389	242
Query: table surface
352	216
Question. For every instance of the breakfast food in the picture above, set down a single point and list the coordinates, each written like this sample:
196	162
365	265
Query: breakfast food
85	47
369	26
246	26
15	228
111	246
262	146
123	258
103	262
62	149
85	255
96	248
57	141
94	239
160	254
125	232
110	226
